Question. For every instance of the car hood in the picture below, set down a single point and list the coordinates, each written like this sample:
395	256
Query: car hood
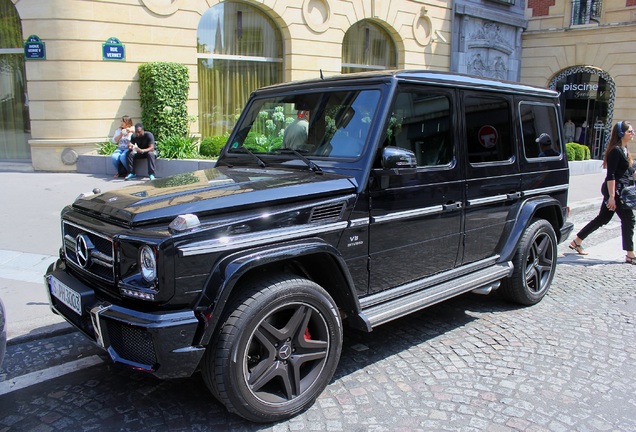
211	191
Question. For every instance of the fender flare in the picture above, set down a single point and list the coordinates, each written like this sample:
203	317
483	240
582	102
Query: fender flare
524	217
229	270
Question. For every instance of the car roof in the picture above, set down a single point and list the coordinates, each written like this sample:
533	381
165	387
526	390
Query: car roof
441	78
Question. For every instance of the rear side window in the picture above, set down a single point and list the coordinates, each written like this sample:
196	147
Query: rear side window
420	121
488	129
541	137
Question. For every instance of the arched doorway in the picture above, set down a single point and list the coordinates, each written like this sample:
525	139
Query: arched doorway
239	49
367	46
587	100
15	129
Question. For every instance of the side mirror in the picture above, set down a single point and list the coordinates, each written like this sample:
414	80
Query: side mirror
396	157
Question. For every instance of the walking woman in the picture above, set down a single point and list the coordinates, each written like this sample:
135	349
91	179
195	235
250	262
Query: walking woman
618	163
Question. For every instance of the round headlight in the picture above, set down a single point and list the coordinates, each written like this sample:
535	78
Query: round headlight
148	263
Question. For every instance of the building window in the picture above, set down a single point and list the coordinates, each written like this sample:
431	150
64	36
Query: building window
14	106
239	49
367	46
586	11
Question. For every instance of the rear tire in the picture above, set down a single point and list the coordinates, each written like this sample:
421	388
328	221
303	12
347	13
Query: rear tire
534	265
276	350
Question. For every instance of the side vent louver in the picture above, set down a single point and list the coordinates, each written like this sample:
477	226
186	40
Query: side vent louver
330	212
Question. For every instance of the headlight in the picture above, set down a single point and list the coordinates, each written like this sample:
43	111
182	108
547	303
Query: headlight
148	263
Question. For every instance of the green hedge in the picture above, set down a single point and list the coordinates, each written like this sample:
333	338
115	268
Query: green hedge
576	151
163	89
211	146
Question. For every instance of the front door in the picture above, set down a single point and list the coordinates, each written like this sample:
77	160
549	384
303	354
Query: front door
415	228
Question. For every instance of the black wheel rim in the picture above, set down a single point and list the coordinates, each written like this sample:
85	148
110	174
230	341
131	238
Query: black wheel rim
286	353
540	263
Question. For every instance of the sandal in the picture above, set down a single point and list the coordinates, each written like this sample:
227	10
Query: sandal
579	249
630	260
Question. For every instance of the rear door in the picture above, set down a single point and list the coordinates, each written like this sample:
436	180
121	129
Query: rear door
493	181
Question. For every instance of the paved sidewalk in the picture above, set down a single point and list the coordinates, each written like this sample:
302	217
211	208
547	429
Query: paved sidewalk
31	238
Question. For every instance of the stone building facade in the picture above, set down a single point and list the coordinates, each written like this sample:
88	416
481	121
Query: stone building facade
76	95
64	103
585	50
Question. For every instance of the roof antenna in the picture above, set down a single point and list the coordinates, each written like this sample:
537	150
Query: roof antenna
322	77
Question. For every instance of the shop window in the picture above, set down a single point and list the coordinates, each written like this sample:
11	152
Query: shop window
239	49
14	106
367	46
586	11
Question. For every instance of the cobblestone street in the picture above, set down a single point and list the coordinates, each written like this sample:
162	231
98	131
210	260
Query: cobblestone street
472	364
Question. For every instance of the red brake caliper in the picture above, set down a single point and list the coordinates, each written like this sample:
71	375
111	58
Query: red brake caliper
307	334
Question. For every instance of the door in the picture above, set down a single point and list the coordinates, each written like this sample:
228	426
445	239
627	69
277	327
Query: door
415	228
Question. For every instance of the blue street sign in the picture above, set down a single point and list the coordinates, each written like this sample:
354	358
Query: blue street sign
34	49
113	50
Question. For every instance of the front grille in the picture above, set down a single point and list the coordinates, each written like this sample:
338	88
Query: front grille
327	212
131	343
101	252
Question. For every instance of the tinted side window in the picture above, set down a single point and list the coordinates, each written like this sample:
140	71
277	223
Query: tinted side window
420	122
541	137
488	130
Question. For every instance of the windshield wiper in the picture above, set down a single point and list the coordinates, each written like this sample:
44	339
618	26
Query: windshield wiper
260	161
312	166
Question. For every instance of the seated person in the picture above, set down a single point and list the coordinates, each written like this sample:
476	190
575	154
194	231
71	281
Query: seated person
295	135
142	145
545	144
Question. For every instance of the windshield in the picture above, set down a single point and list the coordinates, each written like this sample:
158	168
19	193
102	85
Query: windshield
326	124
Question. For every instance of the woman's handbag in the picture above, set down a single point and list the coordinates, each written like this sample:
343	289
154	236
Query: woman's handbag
628	197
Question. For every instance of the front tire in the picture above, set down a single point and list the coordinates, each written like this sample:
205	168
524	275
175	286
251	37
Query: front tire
534	265
276	350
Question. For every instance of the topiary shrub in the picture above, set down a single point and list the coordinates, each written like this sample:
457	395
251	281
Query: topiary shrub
576	151
163	91
211	146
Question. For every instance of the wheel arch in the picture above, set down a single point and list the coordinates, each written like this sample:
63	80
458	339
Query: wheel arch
546	208
311	258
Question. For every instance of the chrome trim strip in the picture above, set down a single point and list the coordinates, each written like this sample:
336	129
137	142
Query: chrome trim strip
488	200
256	239
355	223
408	214
436	279
83	228
545	190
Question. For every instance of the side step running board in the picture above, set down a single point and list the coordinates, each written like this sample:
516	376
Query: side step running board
390	310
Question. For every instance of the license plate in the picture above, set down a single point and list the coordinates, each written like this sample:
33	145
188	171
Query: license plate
66	295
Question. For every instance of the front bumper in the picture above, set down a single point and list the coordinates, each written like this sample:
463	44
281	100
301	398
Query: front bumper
158	342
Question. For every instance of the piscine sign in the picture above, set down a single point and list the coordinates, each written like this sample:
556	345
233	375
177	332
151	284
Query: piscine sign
584	90
113	50
34	49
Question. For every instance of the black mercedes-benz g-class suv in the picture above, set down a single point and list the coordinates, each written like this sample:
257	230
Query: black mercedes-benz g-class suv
354	199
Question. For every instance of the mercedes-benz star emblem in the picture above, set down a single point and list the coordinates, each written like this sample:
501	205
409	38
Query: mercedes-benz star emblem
284	352
83	247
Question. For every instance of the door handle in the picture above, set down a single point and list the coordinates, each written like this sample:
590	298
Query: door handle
513	196
452	206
